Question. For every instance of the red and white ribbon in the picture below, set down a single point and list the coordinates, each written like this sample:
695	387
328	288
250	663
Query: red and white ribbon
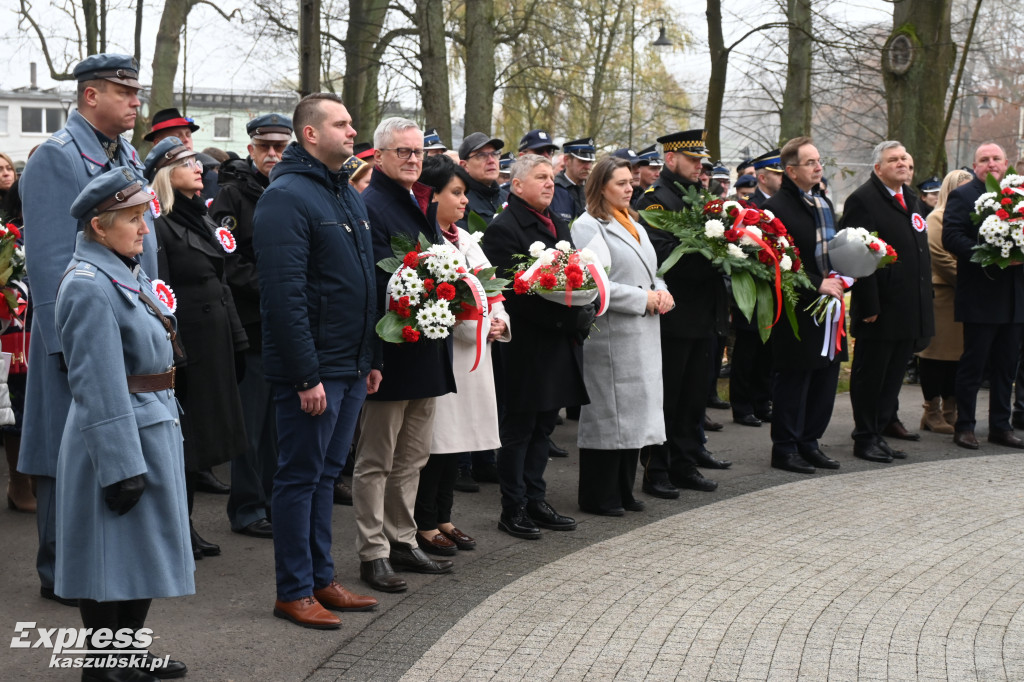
835	319
478	313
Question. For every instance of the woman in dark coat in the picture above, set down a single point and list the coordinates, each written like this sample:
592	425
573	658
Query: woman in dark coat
191	261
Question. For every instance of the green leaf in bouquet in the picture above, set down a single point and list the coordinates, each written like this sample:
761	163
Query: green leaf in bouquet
992	185
657	219
765	309
475	222
5	275
401	244
389	264
744	292
11	298
424	242
673	257
389	328
790	309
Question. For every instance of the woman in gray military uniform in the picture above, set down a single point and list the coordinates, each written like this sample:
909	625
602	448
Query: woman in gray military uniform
122	523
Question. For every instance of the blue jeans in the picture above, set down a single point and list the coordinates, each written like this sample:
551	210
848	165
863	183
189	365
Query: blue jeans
311	453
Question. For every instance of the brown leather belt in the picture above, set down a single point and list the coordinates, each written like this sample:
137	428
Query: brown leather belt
149	383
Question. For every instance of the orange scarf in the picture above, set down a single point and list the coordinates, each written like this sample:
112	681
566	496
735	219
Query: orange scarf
624	220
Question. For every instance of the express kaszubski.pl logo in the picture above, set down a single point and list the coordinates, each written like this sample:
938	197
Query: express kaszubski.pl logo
88	648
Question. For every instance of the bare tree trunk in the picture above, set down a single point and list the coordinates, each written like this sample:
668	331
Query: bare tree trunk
796	99
916	64
89	15
138	30
103	26
480	68
437	108
716	83
309	47
359	87
165	65
601	67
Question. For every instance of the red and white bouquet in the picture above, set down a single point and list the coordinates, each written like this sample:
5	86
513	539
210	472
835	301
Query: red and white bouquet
12	275
999	214
563	275
431	289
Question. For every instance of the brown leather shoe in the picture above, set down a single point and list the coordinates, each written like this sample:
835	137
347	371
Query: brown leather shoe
337	598
439	544
966	439
308	613
896	429
461	540
1005	438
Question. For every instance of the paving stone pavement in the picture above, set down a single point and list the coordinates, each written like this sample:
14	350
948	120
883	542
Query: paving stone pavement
911	573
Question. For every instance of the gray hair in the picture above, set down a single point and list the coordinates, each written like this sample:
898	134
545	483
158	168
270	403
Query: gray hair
526	163
882	148
387	129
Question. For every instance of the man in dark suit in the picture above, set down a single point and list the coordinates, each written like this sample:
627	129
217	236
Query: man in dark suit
804	382
543	361
686	331
990	303
769	177
891	310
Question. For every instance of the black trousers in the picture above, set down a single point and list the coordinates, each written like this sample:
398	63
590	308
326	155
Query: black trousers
606	479
750	377
684	370
718	346
875	380
998	345
523	457
114	616
938	378
436	492
803	400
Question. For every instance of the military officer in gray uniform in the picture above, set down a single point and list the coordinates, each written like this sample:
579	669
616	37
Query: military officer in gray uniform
89	144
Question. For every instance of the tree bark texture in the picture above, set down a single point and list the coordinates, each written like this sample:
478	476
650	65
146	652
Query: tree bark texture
796	99
309	47
480	68
437	108
716	83
359	87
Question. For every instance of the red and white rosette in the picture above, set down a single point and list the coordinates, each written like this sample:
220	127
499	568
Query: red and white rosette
154	203
166	295
919	223
226	239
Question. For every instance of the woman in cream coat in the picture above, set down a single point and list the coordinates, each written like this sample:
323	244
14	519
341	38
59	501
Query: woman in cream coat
622	356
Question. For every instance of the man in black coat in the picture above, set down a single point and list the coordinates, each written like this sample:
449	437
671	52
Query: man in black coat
396	425
242	182
891	311
686	331
544	360
804	381
478	154
990	303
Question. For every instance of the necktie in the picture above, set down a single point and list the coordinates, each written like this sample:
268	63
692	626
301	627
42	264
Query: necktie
899	198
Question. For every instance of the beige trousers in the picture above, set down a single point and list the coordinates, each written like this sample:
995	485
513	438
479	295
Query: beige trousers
394	444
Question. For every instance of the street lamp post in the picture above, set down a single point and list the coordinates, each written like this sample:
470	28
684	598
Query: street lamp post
661	41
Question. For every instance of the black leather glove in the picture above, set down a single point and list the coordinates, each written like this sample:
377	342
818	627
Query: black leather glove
585	317
124	495
239	366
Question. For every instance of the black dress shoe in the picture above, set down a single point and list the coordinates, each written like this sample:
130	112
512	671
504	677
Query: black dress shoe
695	480
379	575
819	459
747	420
485	472
708	461
871	452
116	675
764	416
201	545
172	670
260	528
616	511
791	461
891	451
634	505
662	489
545	516
1017	421
206	482
896	429
48	593
554	450
719	404
517	524
465	483
342	493
966	439
408	558
1005	438
710	425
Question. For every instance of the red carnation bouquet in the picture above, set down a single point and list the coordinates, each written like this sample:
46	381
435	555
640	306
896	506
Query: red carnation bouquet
563	275
749	245
12	275
431	289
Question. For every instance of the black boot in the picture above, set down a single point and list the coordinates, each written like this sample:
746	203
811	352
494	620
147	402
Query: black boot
201	547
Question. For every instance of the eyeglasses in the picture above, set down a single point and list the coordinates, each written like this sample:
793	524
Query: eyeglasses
405	152
483	155
193	163
809	163
266	146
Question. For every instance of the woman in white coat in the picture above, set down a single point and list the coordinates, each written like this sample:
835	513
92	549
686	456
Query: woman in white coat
622	356
465	421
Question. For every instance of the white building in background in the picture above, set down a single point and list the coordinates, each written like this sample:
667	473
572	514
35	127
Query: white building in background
29	115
